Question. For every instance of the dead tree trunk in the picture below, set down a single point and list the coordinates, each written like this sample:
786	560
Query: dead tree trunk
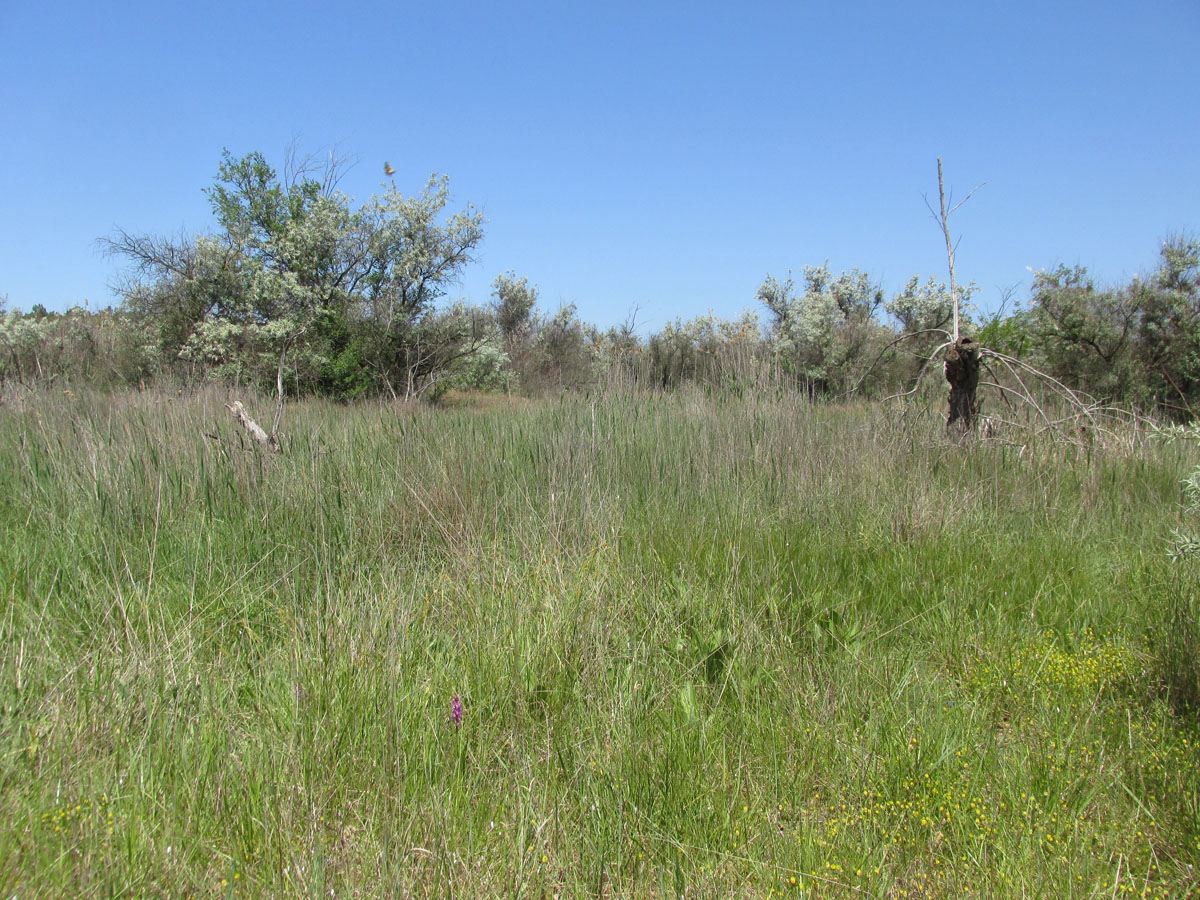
962	361
962	371
253	428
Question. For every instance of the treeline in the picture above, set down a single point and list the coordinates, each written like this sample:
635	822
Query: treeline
299	292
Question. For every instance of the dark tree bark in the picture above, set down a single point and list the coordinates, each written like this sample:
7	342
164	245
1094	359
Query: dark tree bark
962	371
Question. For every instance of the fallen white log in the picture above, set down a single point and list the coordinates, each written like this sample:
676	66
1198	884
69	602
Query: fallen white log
256	432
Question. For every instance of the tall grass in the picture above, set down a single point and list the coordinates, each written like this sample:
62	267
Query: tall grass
705	645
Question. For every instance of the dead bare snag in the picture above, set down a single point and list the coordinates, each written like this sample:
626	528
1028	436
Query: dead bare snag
963	358
255	430
1040	407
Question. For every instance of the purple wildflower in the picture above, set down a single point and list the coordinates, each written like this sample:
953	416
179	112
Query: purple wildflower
456	711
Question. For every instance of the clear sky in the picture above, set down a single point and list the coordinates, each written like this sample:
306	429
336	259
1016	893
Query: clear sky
659	155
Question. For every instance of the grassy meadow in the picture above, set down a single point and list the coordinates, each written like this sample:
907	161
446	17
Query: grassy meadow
704	646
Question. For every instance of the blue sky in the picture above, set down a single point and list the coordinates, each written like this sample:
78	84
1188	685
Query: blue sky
664	156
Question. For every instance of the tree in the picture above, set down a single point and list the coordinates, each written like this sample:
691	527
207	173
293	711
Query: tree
103	347
173	285
562	354
412	260
929	306
820	335
266	286
515	301
439	346
1083	334
1169	326
514	309
964	357
1134	343
298	284
705	350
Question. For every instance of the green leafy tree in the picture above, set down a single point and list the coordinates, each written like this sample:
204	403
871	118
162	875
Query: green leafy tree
298	284
563	353
1136	343
707	350
821	333
1084	335
929	307
471	351
1168	336
413	257
514	307
515	302
264	290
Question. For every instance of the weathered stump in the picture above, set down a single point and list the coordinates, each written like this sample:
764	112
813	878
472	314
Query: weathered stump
253	428
962	371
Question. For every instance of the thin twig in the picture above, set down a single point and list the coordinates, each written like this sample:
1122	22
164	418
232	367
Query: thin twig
1028	394
921	374
889	346
1076	398
1003	390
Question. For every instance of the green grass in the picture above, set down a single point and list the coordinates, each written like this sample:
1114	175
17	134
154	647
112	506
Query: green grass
706	646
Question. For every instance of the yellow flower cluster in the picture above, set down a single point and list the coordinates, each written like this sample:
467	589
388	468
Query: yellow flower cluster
1093	667
919	815
80	817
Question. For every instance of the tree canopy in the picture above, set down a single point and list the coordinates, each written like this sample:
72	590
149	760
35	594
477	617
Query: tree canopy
297	278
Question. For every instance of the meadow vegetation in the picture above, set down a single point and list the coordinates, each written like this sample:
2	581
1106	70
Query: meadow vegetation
302	291
704	644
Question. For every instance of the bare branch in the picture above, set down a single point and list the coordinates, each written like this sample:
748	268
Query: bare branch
966	198
889	346
932	212
921	375
1027	396
949	245
1078	399
151	254
330	170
